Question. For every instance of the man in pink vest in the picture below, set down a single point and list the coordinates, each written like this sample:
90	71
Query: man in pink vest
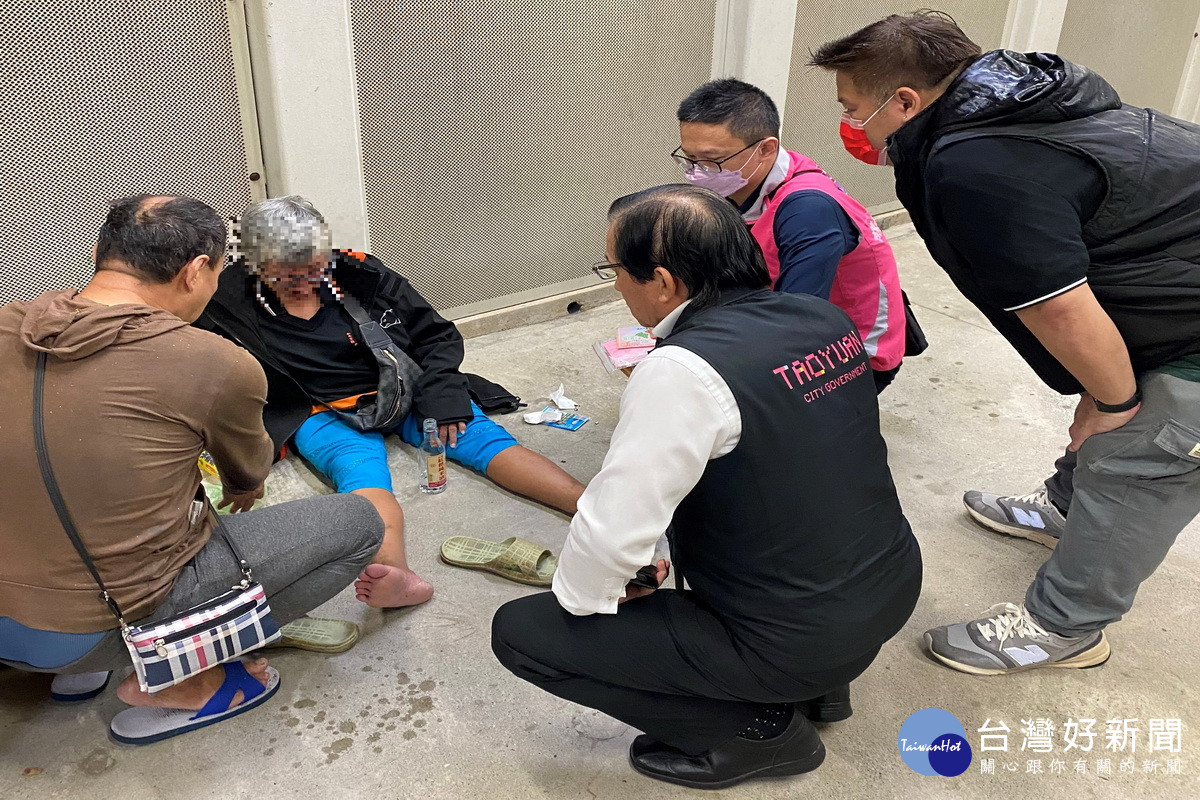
816	238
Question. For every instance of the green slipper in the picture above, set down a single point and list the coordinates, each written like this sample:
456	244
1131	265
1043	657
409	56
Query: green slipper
517	559
319	635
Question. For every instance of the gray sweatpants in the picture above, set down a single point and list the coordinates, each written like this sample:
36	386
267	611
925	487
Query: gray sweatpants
1128	494
303	553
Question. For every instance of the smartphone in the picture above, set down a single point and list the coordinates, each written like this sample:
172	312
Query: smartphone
647	577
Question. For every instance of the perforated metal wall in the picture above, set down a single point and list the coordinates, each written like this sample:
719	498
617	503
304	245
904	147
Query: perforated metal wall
495	134
810	121
104	99
1139	48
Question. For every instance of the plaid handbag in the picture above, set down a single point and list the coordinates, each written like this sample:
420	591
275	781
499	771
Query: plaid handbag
171	651
219	630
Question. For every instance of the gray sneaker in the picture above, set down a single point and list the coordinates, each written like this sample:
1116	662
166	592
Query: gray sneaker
1008	640
1031	516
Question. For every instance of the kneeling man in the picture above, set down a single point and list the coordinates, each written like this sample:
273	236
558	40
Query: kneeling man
751	437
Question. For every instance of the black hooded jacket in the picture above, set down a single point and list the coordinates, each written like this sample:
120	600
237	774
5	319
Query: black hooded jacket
429	339
970	167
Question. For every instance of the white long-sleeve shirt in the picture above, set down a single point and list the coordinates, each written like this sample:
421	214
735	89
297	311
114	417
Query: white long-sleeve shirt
676	415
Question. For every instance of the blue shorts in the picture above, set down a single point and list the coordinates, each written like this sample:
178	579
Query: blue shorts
43	649
354	459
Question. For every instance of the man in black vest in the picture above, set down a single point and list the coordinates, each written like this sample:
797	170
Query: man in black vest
750	436
1072	221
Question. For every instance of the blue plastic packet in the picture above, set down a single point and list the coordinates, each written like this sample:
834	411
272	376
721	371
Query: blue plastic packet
571	423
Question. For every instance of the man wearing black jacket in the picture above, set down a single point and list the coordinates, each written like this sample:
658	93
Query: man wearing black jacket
1072	221
282	302
750	436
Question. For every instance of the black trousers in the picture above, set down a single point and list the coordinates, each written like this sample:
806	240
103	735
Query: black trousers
664	664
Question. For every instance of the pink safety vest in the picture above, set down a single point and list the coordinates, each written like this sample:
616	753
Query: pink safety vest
866	285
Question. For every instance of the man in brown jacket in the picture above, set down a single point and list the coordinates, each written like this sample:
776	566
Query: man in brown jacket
133	395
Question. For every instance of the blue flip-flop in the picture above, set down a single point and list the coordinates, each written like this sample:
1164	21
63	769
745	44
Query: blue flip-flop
142	725
74	688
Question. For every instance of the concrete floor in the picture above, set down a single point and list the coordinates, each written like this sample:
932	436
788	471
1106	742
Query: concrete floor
419	708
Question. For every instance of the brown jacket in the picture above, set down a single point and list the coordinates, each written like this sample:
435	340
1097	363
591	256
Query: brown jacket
133	395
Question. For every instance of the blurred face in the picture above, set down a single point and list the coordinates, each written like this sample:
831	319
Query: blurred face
294	281
881	118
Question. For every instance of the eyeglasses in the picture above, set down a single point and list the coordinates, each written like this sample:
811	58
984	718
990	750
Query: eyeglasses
704	164
604	270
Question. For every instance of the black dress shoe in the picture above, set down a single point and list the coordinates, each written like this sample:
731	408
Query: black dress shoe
832	706
798	749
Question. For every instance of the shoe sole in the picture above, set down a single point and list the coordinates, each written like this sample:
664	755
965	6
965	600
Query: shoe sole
301	644
1092	657
79	698
328	648
826	712
267	694
1016	531
797	767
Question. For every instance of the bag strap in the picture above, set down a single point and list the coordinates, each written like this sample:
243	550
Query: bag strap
373	334
243	564
64	516
354	308
60	508
275	364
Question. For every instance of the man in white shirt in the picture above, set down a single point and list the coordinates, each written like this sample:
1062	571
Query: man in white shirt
750	437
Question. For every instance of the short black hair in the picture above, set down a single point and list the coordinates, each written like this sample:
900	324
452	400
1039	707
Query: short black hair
692	233
918	50
157	239
747	110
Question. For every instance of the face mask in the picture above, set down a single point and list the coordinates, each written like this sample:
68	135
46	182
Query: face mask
724	183
858	145
854	139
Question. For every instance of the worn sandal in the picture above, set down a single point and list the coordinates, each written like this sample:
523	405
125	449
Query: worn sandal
318	635
75	688
143	725
517	559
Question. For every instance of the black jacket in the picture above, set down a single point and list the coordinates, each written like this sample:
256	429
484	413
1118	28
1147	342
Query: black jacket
1143	241
431	341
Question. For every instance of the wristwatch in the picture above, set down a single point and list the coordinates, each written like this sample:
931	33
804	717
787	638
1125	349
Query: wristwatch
1108	408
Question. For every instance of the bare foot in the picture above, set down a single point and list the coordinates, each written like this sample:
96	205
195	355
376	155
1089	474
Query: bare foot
383	586
193	693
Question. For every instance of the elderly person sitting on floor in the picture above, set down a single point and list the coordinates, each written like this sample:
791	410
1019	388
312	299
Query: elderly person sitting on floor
288	302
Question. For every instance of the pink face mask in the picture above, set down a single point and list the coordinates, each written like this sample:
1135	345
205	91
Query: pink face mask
724	183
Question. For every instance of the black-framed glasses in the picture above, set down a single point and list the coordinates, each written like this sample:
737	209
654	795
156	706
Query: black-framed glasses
705	164
604	270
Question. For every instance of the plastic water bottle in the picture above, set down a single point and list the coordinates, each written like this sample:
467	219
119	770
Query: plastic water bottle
431	460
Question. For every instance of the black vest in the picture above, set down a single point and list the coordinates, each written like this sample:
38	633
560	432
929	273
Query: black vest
795	539
1144	239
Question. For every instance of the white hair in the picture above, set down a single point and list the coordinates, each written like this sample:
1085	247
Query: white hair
283	230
